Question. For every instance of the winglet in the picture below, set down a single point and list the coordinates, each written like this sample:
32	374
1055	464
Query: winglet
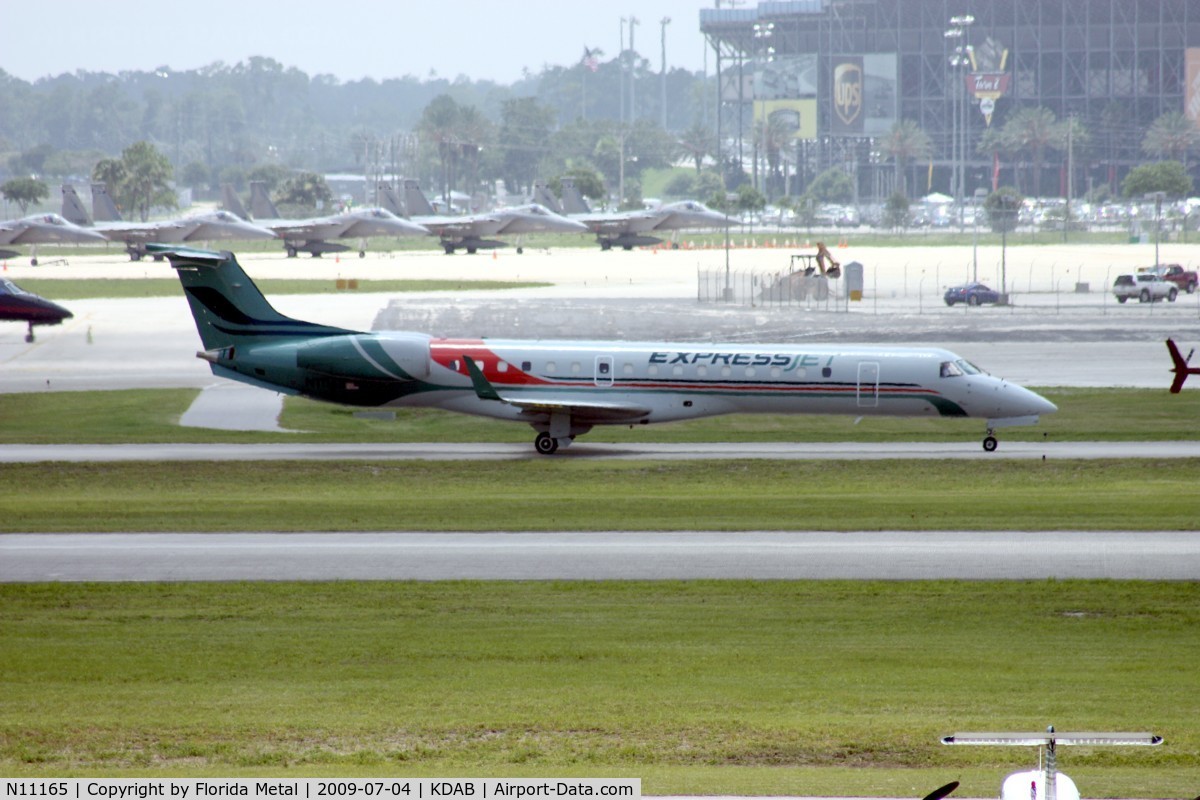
483	388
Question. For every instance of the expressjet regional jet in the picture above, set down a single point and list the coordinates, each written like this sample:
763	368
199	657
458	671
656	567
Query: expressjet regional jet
312	235
194	229
565	388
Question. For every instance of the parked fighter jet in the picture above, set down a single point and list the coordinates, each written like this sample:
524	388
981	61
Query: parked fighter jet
468	232
18	305
565	388
312	235
205	227
42	229
630	229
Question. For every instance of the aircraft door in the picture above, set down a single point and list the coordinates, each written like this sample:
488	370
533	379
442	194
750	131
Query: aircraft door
604	371
868	384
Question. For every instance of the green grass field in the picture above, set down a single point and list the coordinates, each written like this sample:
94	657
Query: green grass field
560	494
707	687
76	289
152	416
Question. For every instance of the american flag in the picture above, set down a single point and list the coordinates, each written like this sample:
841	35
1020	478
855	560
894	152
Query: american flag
590	59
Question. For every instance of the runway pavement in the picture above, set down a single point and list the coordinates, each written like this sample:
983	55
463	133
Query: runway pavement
507	451
601	555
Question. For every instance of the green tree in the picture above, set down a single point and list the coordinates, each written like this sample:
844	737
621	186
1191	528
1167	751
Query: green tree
195	175
904	143
304	190
1003	207
1031	131
272	175
1165	176
524	139
587	181
750	200
682	184
147	180
833	185
698	142
1172	137
895	211
24	192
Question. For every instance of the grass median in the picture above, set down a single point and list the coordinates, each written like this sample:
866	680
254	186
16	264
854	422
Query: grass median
153	416
819	688
557	494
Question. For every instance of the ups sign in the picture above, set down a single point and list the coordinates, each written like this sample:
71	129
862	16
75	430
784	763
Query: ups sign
847	95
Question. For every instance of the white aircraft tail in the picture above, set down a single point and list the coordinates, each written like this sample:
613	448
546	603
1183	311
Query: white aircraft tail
1046	783
72	207
260	202
416	201
103	207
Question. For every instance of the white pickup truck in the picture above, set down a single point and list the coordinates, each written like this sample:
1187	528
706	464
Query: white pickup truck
1145	286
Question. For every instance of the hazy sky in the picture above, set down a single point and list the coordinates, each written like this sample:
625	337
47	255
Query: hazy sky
352	40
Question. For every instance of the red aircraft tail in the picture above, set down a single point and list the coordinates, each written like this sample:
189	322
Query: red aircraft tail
1181	368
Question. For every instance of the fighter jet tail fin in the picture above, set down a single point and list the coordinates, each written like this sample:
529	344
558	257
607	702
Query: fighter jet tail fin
572	198
390	200
415	200
260	202
103	207
231	202
543	195
72	206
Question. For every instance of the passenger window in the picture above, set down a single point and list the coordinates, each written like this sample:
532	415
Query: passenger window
575	368
502	366
526	366
702	371
551	367
652	370
627	369
677	370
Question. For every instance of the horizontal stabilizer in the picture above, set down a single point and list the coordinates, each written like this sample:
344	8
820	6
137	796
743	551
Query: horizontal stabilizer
1043	738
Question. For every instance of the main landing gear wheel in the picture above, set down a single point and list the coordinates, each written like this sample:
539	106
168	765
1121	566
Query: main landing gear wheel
362	253
545	444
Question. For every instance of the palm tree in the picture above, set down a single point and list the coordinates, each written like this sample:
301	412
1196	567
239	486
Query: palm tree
904	143
1171	138
697	142
994	143
1031	131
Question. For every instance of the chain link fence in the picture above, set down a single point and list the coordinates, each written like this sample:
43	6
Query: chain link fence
761	288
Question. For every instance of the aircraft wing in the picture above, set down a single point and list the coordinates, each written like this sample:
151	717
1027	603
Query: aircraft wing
143	231
475	225
581	410
324	228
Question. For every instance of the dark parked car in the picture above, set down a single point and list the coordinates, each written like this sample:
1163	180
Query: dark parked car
972	294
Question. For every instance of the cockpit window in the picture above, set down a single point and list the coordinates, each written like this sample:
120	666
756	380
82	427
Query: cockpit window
950	369
968	368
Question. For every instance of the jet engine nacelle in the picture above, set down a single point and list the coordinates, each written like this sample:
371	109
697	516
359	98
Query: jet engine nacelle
368	357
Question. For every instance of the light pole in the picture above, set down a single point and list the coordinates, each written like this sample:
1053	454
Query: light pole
763	31
960	29
1158	198
621	81
664	22
633	21
980	194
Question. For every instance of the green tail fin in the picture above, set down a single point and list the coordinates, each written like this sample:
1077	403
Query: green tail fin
228	308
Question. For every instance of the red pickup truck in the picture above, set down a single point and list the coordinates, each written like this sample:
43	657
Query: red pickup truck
1185	279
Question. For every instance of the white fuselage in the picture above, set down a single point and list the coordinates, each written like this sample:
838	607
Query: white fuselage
682	381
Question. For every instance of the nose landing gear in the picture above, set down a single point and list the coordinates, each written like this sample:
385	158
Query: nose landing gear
989	441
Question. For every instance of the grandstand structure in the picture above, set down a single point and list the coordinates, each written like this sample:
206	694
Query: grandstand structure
808	84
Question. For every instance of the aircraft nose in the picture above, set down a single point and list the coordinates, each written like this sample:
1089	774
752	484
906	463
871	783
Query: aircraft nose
564	225
1017	401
